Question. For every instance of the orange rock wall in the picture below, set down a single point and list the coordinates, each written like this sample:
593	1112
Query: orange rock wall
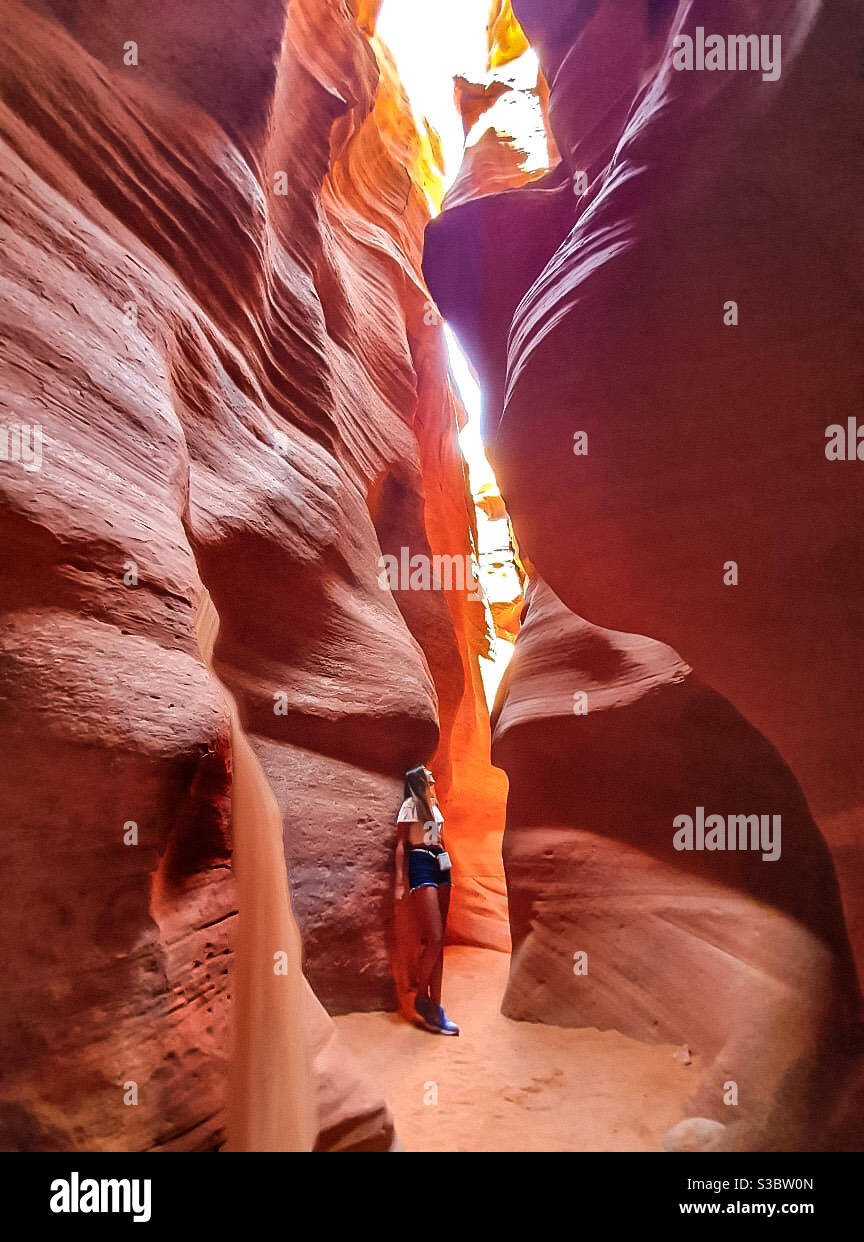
216	316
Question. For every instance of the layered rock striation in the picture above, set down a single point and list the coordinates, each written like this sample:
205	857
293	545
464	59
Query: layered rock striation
215	318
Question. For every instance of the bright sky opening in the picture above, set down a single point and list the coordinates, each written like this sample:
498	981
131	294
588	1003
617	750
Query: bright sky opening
432	45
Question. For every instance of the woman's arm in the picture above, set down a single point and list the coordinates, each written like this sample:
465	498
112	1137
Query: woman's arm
401	837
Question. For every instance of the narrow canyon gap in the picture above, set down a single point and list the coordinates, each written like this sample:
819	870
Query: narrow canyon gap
223	301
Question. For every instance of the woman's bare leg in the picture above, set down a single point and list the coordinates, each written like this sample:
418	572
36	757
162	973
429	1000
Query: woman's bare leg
431	932
438	969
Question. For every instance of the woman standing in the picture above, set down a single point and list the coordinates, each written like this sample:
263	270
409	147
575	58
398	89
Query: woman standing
420	851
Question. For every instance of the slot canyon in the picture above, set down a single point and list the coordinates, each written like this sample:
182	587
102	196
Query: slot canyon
339	438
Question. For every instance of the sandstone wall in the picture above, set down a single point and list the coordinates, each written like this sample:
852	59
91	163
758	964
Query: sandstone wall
214	312
676	193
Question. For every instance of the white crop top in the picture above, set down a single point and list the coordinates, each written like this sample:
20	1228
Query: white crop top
411	812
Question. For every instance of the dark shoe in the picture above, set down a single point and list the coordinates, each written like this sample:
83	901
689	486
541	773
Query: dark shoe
424	1013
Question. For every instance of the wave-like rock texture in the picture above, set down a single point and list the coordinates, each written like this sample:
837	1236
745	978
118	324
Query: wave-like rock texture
215	315
676	195
606	738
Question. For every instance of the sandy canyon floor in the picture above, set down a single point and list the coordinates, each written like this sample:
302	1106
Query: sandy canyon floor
516	1086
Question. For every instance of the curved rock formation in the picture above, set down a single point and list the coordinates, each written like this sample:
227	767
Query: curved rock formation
697	421
217	321
680	194
607	738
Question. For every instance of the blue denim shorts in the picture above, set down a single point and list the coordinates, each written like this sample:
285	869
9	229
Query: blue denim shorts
423	868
